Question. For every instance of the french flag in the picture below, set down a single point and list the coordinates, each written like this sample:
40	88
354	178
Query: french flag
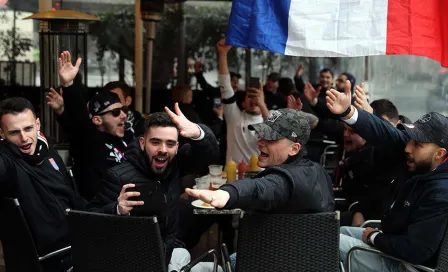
342	28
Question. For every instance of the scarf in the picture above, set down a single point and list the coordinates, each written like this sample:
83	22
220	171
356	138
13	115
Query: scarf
40	153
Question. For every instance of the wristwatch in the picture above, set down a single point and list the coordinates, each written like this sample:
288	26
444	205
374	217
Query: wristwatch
346	112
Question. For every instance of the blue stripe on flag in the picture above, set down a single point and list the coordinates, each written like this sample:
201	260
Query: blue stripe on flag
259	24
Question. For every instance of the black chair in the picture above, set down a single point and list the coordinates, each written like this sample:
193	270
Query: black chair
442	260
288	242
19	248
102	242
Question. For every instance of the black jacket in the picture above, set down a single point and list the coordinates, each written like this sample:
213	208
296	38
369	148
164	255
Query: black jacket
93	151
297	186
415	225
44	192
368	176
192	156
134	126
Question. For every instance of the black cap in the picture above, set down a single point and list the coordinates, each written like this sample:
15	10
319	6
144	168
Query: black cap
430	128
100	101
274	76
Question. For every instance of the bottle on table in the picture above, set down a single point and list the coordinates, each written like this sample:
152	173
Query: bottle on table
242	168
231	170
253	164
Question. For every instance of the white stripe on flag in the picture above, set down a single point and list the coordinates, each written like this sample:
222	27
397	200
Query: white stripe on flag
334	28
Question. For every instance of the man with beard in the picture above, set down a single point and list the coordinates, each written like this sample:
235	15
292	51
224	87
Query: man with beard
241	143
96	134
414	226
156	160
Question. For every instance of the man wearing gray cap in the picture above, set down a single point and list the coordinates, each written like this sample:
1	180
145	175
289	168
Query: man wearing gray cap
288	185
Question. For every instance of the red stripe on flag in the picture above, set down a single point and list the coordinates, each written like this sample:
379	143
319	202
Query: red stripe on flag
418	27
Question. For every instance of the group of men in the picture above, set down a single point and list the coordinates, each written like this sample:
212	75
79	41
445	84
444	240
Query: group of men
108	164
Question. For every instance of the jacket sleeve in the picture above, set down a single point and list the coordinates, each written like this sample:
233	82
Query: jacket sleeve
75	121
300	85
197	155
423	236
380	134
106	199
231	111
203	82
3	171
258	194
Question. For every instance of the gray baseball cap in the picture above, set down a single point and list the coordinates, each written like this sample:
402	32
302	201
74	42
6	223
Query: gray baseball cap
284	123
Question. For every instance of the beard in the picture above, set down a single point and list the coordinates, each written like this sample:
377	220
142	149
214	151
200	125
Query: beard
158	167
421	167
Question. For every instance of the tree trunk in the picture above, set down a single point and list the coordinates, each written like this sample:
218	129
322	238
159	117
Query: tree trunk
121	67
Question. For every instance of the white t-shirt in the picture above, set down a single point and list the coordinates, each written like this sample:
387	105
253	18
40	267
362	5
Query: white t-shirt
241	142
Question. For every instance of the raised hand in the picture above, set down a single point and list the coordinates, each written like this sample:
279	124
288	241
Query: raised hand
293	103
338	102
222	47
67	72
311	94
187	128
299	71
55	101
361	99
217	199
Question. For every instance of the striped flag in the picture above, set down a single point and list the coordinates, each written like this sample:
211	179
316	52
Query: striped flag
338	28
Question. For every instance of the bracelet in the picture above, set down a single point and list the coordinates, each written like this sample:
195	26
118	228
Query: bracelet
346	112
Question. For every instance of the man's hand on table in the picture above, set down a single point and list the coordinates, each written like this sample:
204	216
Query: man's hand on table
217	199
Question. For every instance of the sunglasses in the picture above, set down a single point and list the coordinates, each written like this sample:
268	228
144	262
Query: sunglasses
115	112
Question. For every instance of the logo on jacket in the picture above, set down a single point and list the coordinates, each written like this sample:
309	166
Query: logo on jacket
425	118
54	164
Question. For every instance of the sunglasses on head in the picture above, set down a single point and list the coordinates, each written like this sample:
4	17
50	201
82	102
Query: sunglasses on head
115	112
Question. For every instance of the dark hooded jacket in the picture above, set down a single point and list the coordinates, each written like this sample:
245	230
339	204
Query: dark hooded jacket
44	189
193	156
415	224
297	186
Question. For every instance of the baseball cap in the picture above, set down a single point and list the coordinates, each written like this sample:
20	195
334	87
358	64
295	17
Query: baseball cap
100	101
430	128
274	76
284	123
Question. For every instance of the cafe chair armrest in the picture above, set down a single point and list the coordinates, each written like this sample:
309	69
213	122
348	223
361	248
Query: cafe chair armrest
189	266
58	252
371	223
409	266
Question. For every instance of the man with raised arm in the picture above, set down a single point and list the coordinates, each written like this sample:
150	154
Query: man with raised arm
414	226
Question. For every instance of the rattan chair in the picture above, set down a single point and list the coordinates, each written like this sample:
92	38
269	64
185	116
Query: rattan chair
104	243
19	248
288	242
442	262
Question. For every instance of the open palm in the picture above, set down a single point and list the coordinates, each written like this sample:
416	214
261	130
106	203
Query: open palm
311	94
67	72
338	102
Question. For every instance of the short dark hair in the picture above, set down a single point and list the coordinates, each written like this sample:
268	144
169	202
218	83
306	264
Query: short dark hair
15	105
285	86
385	107
159	119
327	70
118	84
